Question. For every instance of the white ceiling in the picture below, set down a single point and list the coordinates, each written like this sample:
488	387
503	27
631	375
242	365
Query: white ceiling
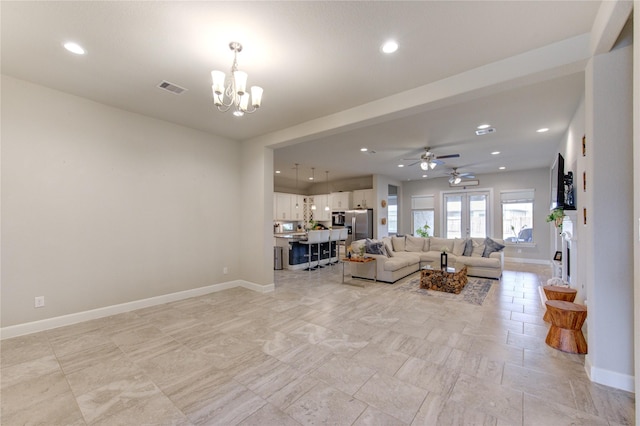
314	59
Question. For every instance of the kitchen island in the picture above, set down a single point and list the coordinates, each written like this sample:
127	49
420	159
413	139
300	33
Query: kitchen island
296	254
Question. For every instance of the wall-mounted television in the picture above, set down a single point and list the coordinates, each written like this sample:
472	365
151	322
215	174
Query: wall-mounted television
561	186
557	183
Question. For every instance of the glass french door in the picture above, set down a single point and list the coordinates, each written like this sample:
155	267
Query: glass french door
466	214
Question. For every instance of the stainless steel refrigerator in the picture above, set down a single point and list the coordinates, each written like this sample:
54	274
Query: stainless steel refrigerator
359	223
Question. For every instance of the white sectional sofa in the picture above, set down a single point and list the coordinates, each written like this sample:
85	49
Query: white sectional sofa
402	256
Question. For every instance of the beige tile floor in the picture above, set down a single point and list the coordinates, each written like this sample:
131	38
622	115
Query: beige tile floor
312	352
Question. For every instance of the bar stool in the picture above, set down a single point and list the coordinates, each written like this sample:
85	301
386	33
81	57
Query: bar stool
313	237
335	237
324	237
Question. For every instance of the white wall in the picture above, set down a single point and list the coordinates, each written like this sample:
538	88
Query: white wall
381	192
101	206
537	179
609	229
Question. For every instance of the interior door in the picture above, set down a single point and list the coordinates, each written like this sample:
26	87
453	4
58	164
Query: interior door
466	214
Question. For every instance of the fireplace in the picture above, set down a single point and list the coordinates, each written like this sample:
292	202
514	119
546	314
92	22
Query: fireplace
569	248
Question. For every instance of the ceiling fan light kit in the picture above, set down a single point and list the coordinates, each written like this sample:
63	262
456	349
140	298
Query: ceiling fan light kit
234	89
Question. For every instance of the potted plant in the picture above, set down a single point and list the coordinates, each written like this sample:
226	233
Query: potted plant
424	231
556	217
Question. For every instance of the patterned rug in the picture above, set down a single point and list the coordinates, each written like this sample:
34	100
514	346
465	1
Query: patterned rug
474	292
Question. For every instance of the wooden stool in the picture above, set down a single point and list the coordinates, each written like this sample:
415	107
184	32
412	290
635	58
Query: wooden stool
554	292
565	333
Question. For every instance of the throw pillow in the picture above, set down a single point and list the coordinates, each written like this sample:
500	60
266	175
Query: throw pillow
398	243
468	247
388	246
414	244
491	246
374	247
478	249
458	246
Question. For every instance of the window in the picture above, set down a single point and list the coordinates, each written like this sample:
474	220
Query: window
517	215
393	214
466	214
422	213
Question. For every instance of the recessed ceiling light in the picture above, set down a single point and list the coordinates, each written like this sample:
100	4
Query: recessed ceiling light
502	168
483	126
389	46
310	178
277	172
74	48
424	176
495	153
544	129
363	149
400	165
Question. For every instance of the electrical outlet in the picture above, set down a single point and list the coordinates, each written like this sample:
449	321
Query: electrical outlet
39	302
225	270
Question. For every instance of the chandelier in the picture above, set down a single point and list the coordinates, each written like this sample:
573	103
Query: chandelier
234	89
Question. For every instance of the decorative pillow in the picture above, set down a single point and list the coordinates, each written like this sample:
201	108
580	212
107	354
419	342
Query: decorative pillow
414	243
491	246
468	247
437	244
375	247
388	246
398	243
458	246
478	249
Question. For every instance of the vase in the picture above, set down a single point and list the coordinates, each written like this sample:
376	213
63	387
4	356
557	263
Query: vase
443	261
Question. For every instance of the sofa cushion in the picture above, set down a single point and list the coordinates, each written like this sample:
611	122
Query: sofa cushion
478	249
398	243
483	262
388	246
414	244
490	246
375	247
458	246
437	244
395	263
468	247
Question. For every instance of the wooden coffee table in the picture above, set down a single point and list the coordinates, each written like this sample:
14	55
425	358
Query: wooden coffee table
450	280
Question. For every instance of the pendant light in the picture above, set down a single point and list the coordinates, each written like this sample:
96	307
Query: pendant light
313	177
297	184
326	207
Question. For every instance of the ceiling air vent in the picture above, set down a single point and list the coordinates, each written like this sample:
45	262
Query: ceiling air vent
481	132
170	87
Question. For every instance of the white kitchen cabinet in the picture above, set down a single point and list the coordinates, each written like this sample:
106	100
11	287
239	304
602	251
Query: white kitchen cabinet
297	213
283	206
321	201
363	198
340	201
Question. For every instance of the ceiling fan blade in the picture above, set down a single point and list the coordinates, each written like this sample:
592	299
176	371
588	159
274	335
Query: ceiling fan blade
449	156
411	159
414	163
467	176
438	162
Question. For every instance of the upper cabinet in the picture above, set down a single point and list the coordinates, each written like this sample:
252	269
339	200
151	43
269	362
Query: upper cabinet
282	204
297	213
340	201
321	201
363	198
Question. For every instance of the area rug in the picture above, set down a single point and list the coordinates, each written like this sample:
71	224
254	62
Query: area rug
474	292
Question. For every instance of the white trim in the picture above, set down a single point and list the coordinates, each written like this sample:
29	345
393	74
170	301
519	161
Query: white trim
609	378
50	323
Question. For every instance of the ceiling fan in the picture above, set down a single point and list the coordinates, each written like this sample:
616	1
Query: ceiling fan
457	177
428	160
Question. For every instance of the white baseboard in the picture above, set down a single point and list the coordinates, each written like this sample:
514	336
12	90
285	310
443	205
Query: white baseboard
50	323
609	378
525	260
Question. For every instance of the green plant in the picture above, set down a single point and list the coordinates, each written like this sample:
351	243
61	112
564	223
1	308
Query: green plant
556	216
424	231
